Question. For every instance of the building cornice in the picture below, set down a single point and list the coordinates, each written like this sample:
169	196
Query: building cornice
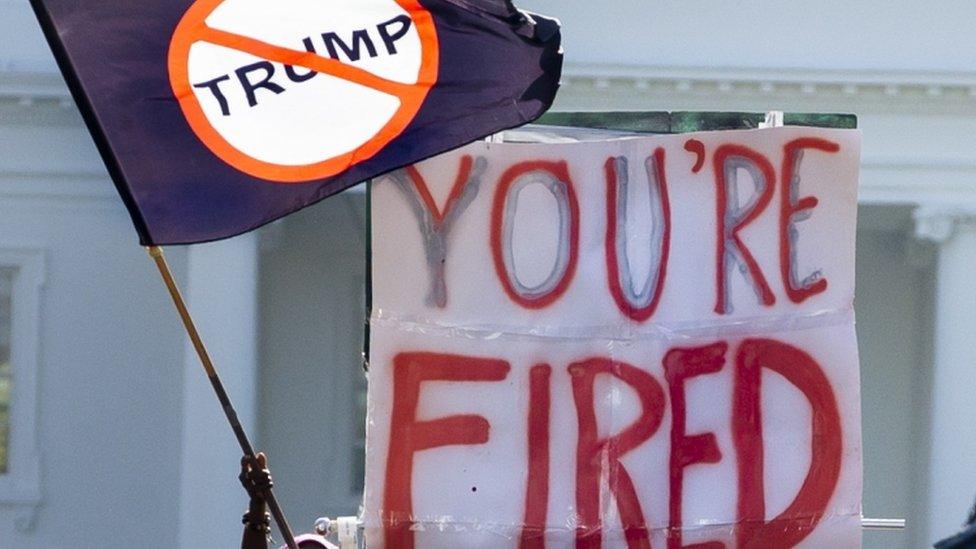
30	88
881	85
43	95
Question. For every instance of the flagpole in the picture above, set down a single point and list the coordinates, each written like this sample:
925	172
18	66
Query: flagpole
157	255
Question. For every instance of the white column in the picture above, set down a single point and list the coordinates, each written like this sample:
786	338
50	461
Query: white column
221	290
952	451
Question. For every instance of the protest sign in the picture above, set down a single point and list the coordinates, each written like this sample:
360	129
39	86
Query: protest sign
633	342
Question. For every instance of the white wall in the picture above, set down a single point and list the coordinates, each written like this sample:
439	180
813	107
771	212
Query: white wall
133	447
109	362
830	34
22	44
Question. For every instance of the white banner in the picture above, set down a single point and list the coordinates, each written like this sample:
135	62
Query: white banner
639	341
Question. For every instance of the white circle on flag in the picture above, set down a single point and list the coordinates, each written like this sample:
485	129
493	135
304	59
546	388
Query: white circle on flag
296	90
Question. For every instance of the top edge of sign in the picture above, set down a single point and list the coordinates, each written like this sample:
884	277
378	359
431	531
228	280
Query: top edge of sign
677	122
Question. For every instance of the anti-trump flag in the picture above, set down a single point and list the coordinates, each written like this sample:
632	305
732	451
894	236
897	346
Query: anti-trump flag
217	116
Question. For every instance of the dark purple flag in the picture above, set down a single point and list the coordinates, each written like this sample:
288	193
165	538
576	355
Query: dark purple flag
215	117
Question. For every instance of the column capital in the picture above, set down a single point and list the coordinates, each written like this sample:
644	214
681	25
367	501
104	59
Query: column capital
939	223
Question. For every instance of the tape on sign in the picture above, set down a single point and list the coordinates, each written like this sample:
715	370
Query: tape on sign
348	530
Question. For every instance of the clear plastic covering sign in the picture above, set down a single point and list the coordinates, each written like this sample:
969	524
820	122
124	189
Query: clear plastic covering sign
619	342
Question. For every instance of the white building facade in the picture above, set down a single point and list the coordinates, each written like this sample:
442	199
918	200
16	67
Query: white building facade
115	439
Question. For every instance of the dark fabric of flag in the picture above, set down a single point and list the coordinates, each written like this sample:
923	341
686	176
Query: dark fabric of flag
215	117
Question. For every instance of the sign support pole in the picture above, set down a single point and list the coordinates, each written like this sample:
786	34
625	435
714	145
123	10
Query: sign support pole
156	253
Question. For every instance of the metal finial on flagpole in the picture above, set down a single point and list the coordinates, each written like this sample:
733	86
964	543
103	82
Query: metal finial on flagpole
157	255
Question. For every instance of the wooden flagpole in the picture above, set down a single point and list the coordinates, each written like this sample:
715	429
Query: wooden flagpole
157	255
